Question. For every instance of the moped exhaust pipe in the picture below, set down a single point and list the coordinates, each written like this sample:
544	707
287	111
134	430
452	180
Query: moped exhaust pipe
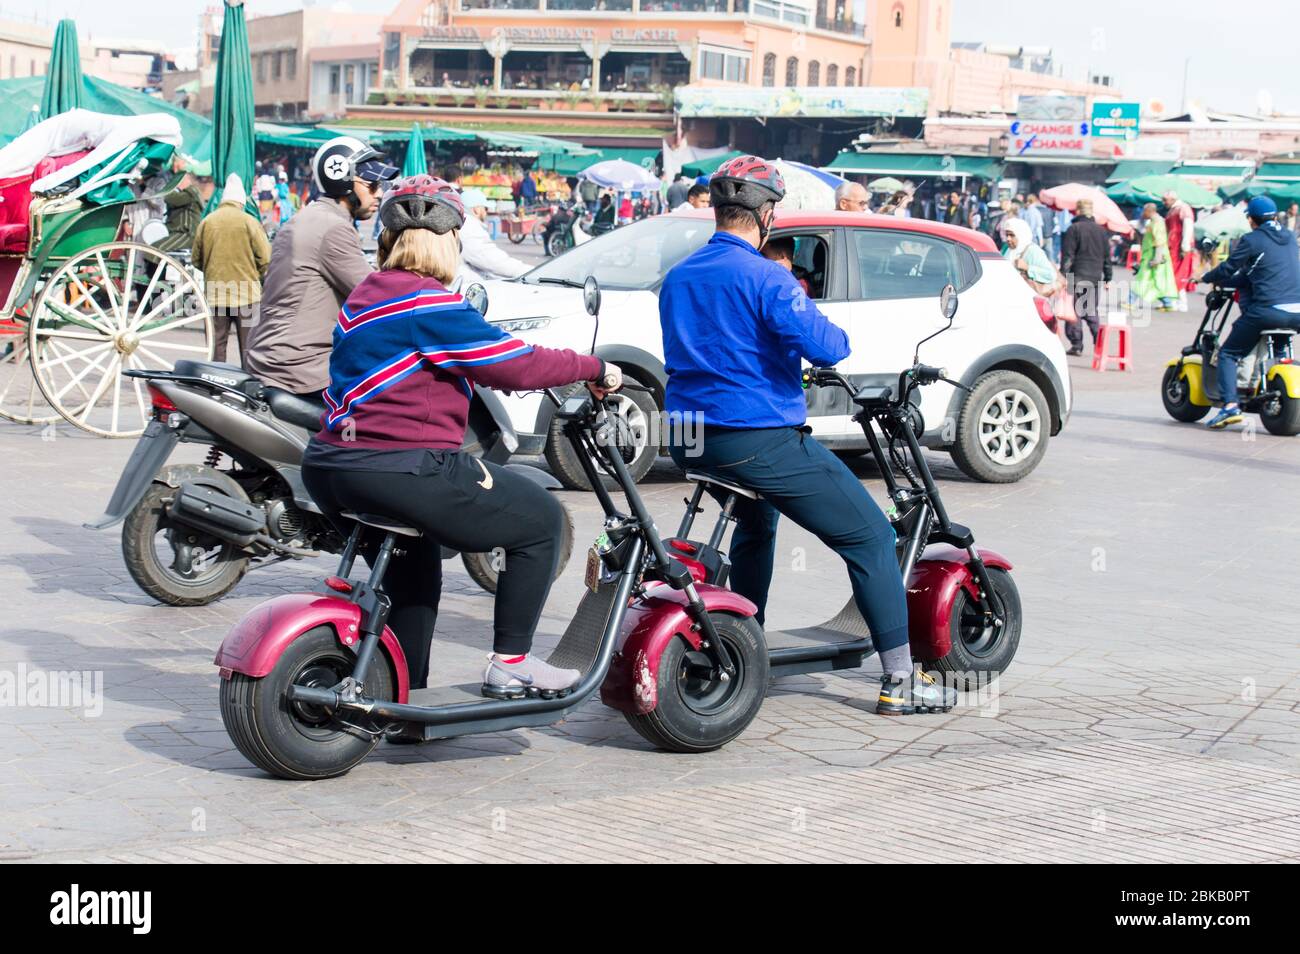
235	521
229	519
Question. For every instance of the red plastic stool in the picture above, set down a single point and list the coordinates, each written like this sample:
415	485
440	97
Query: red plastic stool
1101	355
1134	257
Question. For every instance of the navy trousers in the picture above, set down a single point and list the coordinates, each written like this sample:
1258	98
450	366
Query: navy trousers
800	478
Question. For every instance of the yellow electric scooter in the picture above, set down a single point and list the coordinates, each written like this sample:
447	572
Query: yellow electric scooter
1272	389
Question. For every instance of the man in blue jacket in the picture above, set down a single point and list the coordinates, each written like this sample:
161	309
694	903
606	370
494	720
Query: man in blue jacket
735	328
1264	267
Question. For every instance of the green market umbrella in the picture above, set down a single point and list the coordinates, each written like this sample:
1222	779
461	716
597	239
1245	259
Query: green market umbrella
232	106
1283	193
62	90
415	164
1153	188
887	184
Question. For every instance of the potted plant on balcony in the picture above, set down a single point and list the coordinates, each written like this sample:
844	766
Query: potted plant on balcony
572	99
459	100
481	97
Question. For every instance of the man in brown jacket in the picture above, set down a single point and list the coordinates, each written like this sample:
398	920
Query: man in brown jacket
316	261
231	250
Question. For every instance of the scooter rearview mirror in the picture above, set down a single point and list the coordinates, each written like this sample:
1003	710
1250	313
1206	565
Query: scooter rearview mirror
477	296
591	301
948	305
948	301
591	295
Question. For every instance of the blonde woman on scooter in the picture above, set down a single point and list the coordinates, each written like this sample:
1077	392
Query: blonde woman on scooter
407	353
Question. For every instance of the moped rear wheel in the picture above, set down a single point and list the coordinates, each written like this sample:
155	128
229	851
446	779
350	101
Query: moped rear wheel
695	712
173	563
291	740
981	650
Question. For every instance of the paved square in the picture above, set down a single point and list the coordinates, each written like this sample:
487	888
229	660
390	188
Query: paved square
1151	714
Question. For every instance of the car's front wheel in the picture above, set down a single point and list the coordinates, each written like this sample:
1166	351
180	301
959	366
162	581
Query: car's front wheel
1002	428
634	432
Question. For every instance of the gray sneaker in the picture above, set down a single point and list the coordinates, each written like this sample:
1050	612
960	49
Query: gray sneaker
529	677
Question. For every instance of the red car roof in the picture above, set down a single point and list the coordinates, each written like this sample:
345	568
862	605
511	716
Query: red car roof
787	218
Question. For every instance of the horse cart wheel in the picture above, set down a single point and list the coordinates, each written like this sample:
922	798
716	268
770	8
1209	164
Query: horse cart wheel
20	399
113	308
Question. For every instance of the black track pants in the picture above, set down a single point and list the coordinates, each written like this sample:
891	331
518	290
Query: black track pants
460	501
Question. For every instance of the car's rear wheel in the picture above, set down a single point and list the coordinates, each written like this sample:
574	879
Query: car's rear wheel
1002	428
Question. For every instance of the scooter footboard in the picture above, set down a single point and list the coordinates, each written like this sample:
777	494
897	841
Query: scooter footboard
939	575
652	623
257	641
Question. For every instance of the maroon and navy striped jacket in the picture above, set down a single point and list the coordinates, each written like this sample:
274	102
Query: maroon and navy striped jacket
407	353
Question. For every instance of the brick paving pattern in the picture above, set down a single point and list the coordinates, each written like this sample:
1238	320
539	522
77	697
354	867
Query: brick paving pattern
1151	714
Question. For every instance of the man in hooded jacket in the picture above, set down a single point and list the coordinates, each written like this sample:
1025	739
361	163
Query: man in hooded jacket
1265	269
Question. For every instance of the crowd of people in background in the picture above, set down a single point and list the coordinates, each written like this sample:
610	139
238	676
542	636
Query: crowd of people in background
1065	256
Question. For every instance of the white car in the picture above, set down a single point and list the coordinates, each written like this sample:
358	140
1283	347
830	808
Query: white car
877	277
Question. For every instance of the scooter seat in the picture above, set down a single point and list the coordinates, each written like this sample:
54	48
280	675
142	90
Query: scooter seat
291	408
387	524
1280	331
218	372
710	479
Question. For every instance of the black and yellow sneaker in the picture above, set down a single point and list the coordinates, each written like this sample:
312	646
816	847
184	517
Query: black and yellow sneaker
919	692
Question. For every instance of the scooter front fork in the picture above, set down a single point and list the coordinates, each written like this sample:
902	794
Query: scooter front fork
989	603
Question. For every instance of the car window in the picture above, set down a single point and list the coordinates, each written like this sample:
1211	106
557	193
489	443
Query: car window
810	257
904	264
635	256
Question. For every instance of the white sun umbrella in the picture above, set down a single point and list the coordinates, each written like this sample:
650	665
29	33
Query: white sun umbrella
621	175
806	187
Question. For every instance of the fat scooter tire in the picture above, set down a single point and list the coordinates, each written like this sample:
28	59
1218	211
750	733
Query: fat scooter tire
1286	422
972	664
1177	400
695	715
295	744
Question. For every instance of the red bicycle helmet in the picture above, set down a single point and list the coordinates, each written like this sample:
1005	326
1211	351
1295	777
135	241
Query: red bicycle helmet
421	202
747	181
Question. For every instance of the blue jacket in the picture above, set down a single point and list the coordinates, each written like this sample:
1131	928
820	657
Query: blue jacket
735	327
1265	266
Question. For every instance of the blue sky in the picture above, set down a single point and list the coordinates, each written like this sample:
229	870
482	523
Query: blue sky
1145	52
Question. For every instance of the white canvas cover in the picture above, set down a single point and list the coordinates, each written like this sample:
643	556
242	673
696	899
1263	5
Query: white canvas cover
104	134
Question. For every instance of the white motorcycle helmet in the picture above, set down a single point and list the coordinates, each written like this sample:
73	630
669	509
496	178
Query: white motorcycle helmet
341	160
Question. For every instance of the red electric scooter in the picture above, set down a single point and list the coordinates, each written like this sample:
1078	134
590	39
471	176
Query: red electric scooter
963	607
311	682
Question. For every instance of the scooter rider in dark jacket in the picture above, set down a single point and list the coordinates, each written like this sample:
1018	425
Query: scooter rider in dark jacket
1264	266
735	327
